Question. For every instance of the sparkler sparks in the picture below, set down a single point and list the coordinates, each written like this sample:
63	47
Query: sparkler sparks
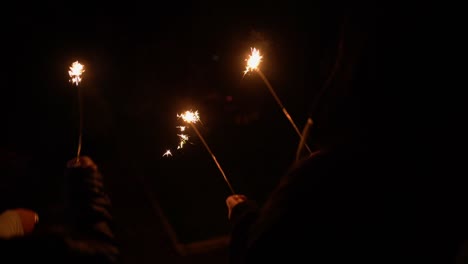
75	72
183	139
189	117
253	61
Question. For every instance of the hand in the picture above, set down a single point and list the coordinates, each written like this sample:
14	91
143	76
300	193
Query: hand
17	222
82	162
234	200
29	219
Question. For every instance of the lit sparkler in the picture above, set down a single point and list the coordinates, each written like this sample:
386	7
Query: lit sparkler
191	118
76	69
252	65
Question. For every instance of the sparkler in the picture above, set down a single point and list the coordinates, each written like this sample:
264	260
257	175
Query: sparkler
167	153
305	133
192	118
76	69
252	65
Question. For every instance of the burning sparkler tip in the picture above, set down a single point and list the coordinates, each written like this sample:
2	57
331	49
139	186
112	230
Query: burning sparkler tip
76	69
190	116
253	61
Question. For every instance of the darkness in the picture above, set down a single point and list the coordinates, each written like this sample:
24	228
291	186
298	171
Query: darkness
145	63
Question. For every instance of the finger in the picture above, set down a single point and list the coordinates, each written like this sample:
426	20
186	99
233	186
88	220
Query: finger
81	162
29	219
231	201
86	161
73	163
241	197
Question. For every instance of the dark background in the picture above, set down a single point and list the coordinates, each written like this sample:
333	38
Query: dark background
144	63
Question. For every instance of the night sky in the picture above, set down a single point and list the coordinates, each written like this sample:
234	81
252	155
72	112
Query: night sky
144	63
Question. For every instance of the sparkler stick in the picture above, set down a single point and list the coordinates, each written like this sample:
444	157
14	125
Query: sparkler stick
305	134
252	65
75	74
191	118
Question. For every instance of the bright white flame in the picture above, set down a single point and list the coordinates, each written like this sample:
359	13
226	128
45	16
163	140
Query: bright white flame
75	72
167	153
253	61
189	116
182	128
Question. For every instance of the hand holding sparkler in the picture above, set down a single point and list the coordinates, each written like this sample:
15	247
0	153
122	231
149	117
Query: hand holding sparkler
75	74
191	118
252	65
233	200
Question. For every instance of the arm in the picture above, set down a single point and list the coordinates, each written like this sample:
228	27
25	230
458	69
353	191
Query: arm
88	211
87	235
242	213
275	229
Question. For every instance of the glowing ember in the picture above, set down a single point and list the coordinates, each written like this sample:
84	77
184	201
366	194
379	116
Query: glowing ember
75	72
182	128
